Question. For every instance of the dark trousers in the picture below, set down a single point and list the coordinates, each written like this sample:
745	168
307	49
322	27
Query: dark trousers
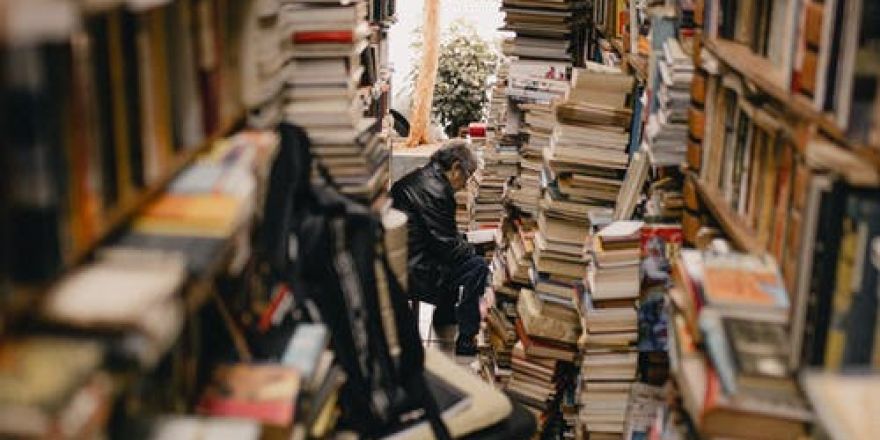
461	301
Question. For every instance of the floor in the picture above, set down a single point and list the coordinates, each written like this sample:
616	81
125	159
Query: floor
444	343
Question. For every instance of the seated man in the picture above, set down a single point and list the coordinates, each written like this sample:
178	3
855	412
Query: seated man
443	267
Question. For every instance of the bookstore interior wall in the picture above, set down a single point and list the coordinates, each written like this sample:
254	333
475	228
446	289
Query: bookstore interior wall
679	201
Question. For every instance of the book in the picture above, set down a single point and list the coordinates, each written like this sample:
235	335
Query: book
304	352
262	392
745	282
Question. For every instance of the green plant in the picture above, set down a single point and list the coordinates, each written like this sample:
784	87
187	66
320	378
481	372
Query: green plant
466	66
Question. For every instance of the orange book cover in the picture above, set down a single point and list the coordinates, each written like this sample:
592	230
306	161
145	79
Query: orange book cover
743	280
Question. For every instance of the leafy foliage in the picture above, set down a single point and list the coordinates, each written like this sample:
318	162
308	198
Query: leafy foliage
465	70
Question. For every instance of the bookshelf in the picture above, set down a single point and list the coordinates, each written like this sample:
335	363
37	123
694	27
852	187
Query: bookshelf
761	72
24	298
120	215
743	236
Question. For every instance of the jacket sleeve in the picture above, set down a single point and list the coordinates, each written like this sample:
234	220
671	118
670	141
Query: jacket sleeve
439	220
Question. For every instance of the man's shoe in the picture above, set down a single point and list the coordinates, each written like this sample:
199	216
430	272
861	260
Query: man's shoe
465	346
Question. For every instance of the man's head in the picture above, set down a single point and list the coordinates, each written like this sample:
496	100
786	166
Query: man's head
457	162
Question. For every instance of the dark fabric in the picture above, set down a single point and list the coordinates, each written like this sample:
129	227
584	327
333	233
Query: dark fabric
434	244
330	249
462	306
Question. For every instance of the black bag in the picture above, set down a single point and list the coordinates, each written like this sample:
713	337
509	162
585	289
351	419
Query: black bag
335	256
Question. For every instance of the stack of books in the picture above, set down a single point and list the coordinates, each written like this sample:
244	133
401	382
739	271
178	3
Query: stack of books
665	200
326	41
746	368
294	395
608	309
264	65
543	371
545	29
560	253
666	132
520	236
539	121
588	154
464	205
498	101
500	163
500	334
39	398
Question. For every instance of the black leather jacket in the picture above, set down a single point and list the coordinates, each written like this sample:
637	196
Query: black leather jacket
435	246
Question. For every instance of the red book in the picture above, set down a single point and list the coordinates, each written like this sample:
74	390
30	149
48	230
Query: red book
477	129
323	37
265	393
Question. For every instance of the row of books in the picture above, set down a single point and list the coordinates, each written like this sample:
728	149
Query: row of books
816	49
187	234
103	101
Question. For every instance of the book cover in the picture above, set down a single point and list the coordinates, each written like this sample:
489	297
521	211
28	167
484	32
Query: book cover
266	393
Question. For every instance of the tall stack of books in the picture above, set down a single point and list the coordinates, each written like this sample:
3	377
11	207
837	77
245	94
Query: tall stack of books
666	132
546	30
539	121
326	41
588	157
499	165
548	328
607	306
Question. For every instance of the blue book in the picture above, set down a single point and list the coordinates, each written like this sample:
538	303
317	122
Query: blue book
305	349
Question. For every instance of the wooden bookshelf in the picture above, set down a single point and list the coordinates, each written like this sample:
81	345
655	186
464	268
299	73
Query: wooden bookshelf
742	235
26	299
121	214
767	77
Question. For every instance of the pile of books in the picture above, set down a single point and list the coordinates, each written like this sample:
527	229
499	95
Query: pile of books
545	29
296	395
563	230
539	122
464	205
548	328
744	327
588	154
666	132
665	199
326	43
264	74
608	308
520	236
500	163
498	101
500	336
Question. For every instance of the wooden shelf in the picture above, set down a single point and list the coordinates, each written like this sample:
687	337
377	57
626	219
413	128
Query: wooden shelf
767	77
25	299
742	236
121	214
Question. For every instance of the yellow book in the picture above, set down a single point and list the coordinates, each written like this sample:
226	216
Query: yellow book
842	300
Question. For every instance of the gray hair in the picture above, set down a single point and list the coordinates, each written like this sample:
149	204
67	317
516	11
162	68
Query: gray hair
456	150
